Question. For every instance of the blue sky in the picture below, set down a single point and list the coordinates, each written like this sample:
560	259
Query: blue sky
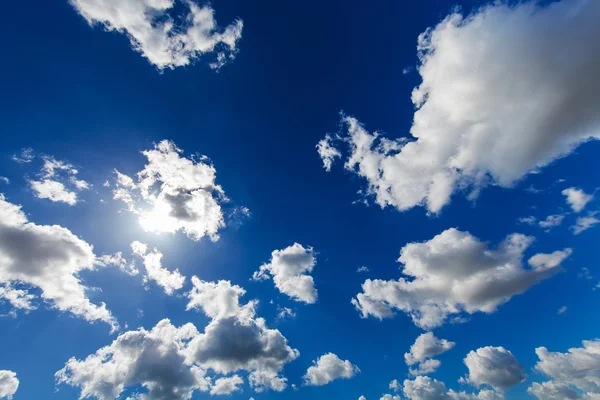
483	132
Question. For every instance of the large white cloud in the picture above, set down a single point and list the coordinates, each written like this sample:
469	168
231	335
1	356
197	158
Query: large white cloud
168	280
504	92
455	273
57	181
426	347
493	366
174	193
49	257
165	41
290	268
8	384
327	368
579	368
426	388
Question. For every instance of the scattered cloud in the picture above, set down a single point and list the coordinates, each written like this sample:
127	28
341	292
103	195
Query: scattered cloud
289	269
493	366
26	156
562	310
456	273
552	391
227	386
168	280
49	257
327	152
362	269
285	312
426	388
426	347
328	368
8	384
5	180
487	114
585	223
577	198
530	220
551	221
57	182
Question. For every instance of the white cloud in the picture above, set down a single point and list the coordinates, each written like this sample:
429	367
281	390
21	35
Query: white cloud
226	386
426	347
327	152
327	368
585	223
5	180
49	257
165	41
454	273
8	384
426	388
389	397
289	269
362	269
53	191
174	193
57	182
530	220
552	391
19	299
26	156
119	261
493	366
362	398
285	312
488	113
579	368
395	385
551	221
562	310
235	339
577	198
168	280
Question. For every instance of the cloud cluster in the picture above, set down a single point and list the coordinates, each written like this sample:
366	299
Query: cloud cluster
168	280
49	257
503	93
289	269
585	223
57	181
576	370
493	366
454	273
327	368
426	388
165	41
174	193
8	384
426	347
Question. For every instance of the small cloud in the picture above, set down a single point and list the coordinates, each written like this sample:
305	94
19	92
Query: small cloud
562	310
362	269
530	220
5	180
26	156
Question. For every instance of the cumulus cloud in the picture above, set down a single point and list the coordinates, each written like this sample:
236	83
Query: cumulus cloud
164	41
168	280
493	366
19	299
174	193
577	198
426	388
226	386
578	369
49	257
551	221
236	339
388	396
327	368
585	223
456	273
57	181
327	152
426	347
8	384
488	113
289	269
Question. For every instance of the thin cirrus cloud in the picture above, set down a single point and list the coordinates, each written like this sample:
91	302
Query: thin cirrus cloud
455	273
155	34
486	114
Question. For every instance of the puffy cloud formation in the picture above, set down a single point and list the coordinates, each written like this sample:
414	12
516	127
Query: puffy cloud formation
426	388
163	40
388	396
235	339
493	366
225	386
168	280
421	352
57	181
577	198
19	299
551	221
579	368
585	223
25	157
454	273
48	257
488	113
290	268
327	152
327	368
174	193
8	384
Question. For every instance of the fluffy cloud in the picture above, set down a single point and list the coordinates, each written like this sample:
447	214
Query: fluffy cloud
421	352
53	191
579	368
493	366
174	193
585	223
425	388
551	221
327	368
290	268
57	181
235	339
168	280
454	273
577	198
225	386
487	113
327	152
48	257
8	384
157	36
